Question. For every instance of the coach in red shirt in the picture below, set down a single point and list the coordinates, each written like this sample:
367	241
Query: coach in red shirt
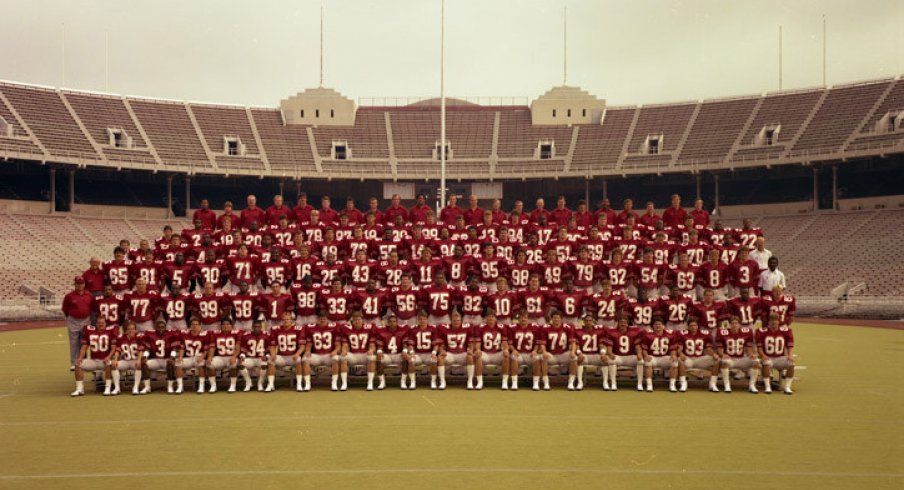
474	214
540	210
675	215
278	210
700	215
418	212
207	217
611	217
253	214
94	277
395	209
234	219
561	214
302	211
77	306
449	213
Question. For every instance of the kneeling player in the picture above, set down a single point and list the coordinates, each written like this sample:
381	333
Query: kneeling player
287	343
775	343
457	349
523	339
358	349
98	345
322	346
558	348
624	351
592	350
223	354
195	345
490	346
161	347
392	351
126	357
736	349
696	352
423	344
660	352
255	355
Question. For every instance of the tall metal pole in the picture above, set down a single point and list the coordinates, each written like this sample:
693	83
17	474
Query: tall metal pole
187	196
71	190
169	196
442	106
780	58
52	190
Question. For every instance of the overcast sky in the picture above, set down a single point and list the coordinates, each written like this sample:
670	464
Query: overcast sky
628	52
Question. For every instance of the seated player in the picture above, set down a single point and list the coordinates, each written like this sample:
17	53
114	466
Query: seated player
223	354
255	356
735	346
558	348
696	352
126	357
456	345
591	349
358	349
392	350
490	346
287	345
624	351
424	341
195	345
322	346
96	353
160	348
775	343
659	351
523	339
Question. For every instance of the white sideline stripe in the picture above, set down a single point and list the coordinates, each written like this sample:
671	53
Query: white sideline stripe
385	471
419	416
49	342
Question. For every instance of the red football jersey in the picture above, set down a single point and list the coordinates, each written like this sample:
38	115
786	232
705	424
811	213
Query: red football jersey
504	304
784	307
676	310
117	273
747	311
557	339
359	339
569	304
274	306
213	273
141	307
439	300
473	301
775	343
684	278
535	302
524	338
306	299
101	342
405	302
745	274
226	344
129	348
457	269
714	276
209	308
242	270
695	344
623	343
358	274
424	339
323	339
552	274
658	345
648	276
175	307
391	274
455	340
392	341
590	340
490	338
160	346
338	306
618	274
584	273
605	306
287	340
519	274
152	273
734	344
255	345
111	309
710	316
279	271
373	304
196	345
642	313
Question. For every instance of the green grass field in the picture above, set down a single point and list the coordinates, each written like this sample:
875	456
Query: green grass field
842	428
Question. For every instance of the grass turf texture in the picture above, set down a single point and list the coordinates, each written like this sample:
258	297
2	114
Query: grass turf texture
842	428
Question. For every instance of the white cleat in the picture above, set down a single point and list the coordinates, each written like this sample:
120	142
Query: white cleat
536	387
673	389
580	386
479	385
788	391
299	388
178	391
135	391
370	386
269	389
333	387
77	393
639	387
442	384
307	387
432	385
248	388
753	389
107	392
115	392
613	387
169	389
649	389
470	385
212	389
714	388
145	391
382	385
683	386
570	387
767	389
404	384
231	389
343	387
727	389
200	390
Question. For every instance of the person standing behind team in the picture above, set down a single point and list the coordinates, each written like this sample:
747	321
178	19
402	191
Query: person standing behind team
77	306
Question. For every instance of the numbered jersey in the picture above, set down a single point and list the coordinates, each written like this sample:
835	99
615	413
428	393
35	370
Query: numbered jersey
735	344
242	270
175	307
405	303
584	274
557	339
490	338
775	343
618	275
306	299
208	307
100	342
213	273
129	347
605	306
117	273
439	300
524	338
392	341
337	305
710	316
195	344
676	310
141	307
473	301
358	339
373	304
535	302
288	340
424	339
570	304
504	304
226	344
110	309
623	343
359	274
274	306
323	339
255	345
243	306
785	307
685	279
696	344
455	340
658	345
642	313
747	311
159	346
590	340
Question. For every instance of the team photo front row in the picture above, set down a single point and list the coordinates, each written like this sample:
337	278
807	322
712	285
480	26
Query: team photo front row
706	345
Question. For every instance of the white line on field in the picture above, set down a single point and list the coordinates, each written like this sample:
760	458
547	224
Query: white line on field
49	342
428	400
4	395
395	471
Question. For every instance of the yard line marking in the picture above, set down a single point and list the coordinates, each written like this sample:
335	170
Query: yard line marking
428	400
4	395
49	342
395	471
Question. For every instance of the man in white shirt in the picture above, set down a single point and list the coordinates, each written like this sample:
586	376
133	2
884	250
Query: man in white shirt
771	277
760	254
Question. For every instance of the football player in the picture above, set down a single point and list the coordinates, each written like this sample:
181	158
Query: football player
558	348
195	345
659	352
696	352
358	349
490	346
287	345
322	349
425	342
456	348
523	339
98	346
735	346
255	355
590	339
160	348
775	343
223	354
126	357
624	351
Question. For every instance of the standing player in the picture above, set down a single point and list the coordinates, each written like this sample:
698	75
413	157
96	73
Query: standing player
209	306
747	308
660	352
490	346
535	301
736	349
696	352
710	312
98	345
116	271
778	303
474	299
775	343
606	305
242	305
676	307
141	306
714	275
570	301
438	299
175	304
405	301
126	357
287	345
275	302
624	351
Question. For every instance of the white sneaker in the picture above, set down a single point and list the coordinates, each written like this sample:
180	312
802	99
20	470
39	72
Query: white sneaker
178	391
683	386
767	389
649	389
370	386
231	389
479	385
200	390
673	389
404	384
613	387
382	385
115	392
107	392
344	386
169	389
307	387
442	384
727	389
77	393
247	387
570	387
714	388
432	384
333	387
135	390
788	391
269	389
546	386
212	389
413	385
470	385
145	391
504	387
299	388
536	387
753	389
580	386
639	387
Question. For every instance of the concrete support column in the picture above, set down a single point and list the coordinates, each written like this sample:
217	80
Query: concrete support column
187	196
605	188
699	179
835	187
282	188
71	190
52	190
815	189
587	193
716	196
169	196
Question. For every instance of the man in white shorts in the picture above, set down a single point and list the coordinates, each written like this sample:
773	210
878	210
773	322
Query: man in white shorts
126	357
624	351
223	355
392	350
98	343
287	345
775	343
358	349
660	352
736	349
490	346
322	344
695	346
195	345
255	356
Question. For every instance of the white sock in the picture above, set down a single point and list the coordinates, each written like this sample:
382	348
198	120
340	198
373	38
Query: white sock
271	379
246	376
536	380
571	380
767	381
307	380
201	383
169	384
480	380
411	378
115	375
344	378
232	382
672	383
604	370
298	378
107	383
639	371
80	386
649	383
383	378
514	381
432	379
788	383
470	370
442	373
713	381
726	380
753	374
546	380
370	378
147	384
334	378
581	372
613	373
137	379
505	378
179	384
212	381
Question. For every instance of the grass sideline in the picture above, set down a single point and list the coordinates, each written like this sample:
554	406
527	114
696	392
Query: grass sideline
842	429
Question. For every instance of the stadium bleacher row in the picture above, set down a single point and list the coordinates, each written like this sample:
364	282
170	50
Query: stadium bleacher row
47	251
63	125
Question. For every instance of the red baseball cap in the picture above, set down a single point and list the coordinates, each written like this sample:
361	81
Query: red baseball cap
79	280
